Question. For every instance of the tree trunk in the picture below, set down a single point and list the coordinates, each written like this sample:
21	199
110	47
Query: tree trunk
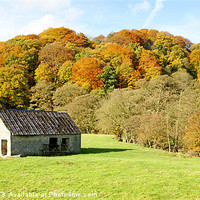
168	136
175	149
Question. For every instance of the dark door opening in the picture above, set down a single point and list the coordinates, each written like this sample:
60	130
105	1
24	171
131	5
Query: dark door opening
65	144
4	147
53	144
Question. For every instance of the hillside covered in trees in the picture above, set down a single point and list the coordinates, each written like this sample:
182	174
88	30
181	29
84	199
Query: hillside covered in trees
141	85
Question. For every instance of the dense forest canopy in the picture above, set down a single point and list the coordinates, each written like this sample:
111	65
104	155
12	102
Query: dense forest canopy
141	85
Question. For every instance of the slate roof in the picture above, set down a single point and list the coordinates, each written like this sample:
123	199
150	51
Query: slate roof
31	122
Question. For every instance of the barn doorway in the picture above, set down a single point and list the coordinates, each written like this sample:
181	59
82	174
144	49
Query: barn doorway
4	147
53	144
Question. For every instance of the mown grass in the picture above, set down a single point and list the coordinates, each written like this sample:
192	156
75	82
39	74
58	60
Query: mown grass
106	169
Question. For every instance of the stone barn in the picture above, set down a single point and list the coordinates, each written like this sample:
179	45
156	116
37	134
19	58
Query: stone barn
30	132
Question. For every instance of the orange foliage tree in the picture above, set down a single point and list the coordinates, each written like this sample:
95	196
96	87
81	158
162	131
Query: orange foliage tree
182	42
3	51
133	37
86	71
113	51
149	36
148	65
118	39
66	35
134	77
55	54
124	37
80	40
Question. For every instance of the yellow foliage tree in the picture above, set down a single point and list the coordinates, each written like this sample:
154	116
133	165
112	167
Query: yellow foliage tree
195	63
65	72
192	136
14	88
44	72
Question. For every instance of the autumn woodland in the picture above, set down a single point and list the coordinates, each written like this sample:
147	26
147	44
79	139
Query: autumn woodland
141	85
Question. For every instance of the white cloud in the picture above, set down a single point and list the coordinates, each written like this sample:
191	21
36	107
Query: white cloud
37	26
34	16
159	4
7	31
47	21
143	6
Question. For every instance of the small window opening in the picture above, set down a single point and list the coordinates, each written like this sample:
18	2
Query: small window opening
65	144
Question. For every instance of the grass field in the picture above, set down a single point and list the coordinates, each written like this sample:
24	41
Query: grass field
106	169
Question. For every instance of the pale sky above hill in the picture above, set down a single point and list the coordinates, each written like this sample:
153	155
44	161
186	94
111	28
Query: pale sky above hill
96	17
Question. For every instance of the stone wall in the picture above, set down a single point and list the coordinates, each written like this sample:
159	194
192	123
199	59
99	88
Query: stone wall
33	145
5	135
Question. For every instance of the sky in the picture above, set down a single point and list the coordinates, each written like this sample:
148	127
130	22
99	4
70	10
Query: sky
100	17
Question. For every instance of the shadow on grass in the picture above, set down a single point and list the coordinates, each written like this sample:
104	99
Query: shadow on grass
85	151
100	150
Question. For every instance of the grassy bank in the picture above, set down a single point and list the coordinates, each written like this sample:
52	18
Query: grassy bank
106	169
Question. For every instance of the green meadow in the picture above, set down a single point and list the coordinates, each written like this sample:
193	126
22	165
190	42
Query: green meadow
106	169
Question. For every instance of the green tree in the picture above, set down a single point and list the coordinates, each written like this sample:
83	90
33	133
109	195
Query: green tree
10	59
163	43
178	112
169	96
115	110
65	94
137	49
82	110
177	59
84	53
42	96
192	136
152	130
109	77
